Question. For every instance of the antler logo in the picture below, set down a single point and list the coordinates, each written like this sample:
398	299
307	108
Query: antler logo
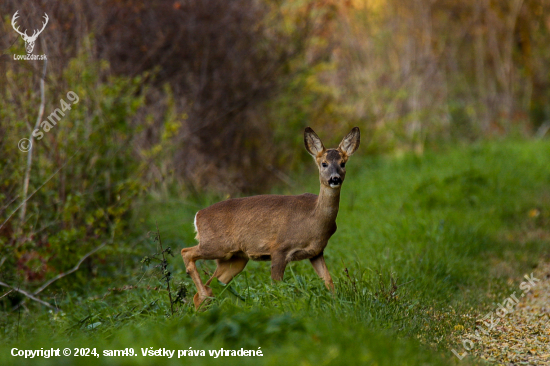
29	40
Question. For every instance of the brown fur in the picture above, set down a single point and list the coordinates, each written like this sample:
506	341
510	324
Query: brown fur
272	227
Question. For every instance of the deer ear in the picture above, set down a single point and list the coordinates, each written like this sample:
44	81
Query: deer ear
313	143
350	143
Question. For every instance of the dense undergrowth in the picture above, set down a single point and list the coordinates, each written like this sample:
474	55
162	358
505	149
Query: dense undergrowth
423	244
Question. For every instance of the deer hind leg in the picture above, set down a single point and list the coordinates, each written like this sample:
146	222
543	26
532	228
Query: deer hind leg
228	268
321	269
190	256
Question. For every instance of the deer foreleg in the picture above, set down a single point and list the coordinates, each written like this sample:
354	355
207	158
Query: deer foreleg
321	269
190	256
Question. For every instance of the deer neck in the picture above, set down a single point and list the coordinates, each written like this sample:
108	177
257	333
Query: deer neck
328	202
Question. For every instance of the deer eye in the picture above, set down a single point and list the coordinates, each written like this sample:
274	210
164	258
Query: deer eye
324	165
343	165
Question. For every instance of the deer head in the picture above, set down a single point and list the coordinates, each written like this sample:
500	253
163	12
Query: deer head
29	40
332	162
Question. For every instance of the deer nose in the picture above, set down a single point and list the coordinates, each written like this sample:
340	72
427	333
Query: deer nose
335	180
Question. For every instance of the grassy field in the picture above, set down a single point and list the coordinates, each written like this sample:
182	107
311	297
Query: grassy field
424	244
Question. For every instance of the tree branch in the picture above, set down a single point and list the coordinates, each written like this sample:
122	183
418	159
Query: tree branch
43	184
6	294
74	269
59	276
30	296
29	154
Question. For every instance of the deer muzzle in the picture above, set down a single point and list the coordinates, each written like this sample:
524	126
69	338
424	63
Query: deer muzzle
335	181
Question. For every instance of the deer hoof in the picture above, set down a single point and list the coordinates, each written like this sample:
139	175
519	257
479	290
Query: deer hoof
199	300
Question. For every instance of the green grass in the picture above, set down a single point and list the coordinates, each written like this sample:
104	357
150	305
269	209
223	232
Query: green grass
422	243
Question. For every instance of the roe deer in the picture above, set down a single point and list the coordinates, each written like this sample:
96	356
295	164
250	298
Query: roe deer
273	227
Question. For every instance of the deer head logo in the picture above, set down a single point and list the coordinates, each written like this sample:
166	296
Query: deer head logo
29	40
